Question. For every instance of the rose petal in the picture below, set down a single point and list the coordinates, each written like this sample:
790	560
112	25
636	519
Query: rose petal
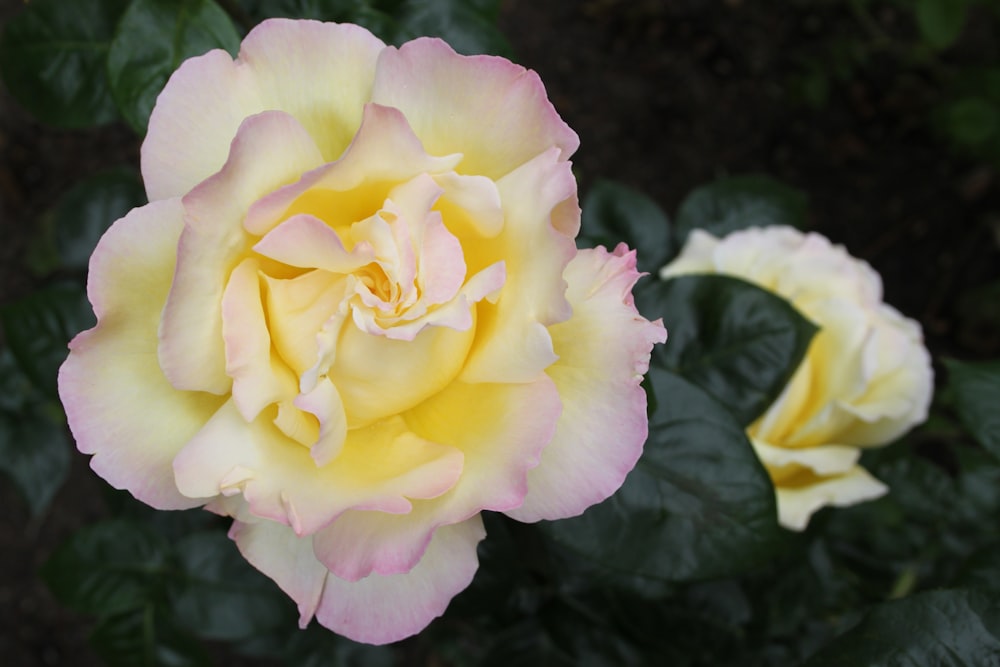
258	379
383	153
513	343
604	351
507	426
385	608
492	111
378	376
379	467
824	460
298	309
307	242
213	242
198	113
324	402
797	504
119	405
288	559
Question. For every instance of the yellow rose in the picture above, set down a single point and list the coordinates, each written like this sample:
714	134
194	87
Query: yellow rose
865	380
353	316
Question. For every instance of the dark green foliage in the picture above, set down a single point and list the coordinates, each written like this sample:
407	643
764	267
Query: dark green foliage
53	58
153	38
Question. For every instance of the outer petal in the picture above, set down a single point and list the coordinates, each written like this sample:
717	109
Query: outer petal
119	405
276	550
797	504
213	243
381	609
491	110
279	65
604	351
377	609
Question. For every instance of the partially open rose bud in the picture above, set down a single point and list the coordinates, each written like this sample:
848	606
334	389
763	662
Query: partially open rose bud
865	380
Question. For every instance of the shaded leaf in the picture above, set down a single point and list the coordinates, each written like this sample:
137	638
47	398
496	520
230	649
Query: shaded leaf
72	228
941	21
976	388
737	341
107	568
613	213
218	595
698	505
53	57
318	647
34	453
144	638
738	202
949	628
38	328
375	15
469	27
153	38
971	121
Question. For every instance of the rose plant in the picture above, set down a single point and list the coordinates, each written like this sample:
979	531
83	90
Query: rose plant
353	316
866	377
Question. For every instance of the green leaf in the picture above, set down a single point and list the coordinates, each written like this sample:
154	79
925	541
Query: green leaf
153	38
34	453
738	342
38	328
738	202
144	638
613	213
941	21
469	27
53	58
976	388
107	568
218	595
71	229
698	505
982	571
318	647
948	628
374	15
971	121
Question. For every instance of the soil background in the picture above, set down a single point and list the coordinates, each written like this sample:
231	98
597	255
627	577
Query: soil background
666	95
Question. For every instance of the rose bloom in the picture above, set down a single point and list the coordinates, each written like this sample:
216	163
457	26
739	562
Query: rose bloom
865	380
353	316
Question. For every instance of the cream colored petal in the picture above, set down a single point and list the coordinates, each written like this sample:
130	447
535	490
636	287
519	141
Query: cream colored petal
378	376
824	460
279	66
288	559
259	379
492	111
470	205
119	405
385	608
694	257
513	344
213	243
604	350
797	505
384	153
379	468
324	402
298	309
307	242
